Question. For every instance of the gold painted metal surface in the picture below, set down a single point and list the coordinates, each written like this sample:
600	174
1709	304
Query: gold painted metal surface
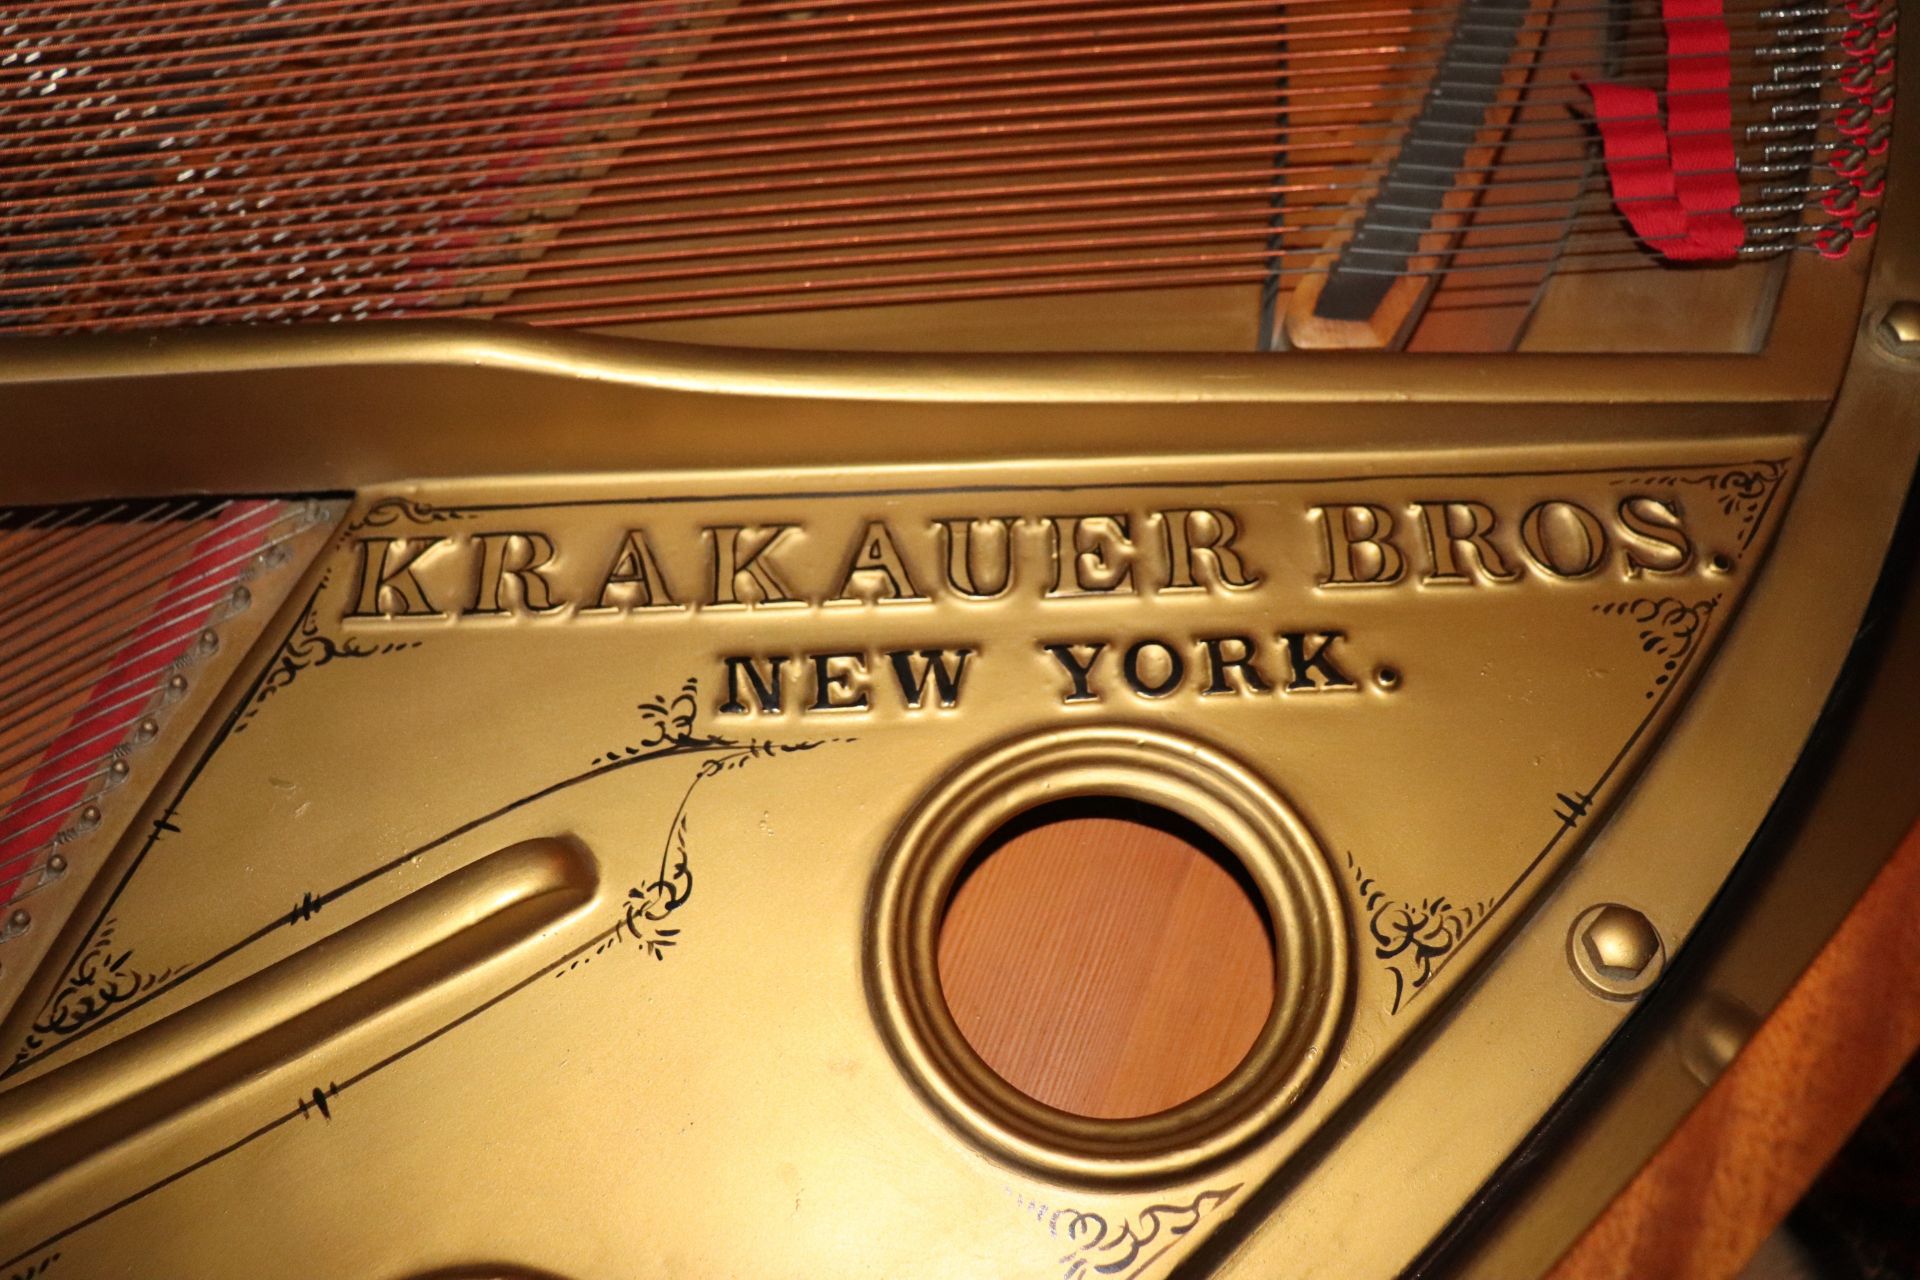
554	887
775	712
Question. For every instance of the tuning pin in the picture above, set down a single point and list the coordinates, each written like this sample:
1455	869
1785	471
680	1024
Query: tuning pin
1850	162
1858	78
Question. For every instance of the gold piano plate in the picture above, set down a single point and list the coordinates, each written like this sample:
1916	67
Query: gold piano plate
589	831
526	772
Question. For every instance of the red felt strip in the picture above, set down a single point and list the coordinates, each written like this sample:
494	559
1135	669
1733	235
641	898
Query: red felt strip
1673	178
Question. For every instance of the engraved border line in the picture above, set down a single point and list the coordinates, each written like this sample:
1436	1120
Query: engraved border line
312	906
1711	604
553	967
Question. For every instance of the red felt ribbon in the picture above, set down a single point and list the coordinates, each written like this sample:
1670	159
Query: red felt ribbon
1674	179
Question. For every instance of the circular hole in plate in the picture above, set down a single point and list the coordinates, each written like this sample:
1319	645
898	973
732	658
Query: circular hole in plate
1106	957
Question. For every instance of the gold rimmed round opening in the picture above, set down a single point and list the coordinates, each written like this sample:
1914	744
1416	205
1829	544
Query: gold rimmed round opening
1193	783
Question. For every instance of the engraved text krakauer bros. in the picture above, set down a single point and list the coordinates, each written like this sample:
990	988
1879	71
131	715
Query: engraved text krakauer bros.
892	564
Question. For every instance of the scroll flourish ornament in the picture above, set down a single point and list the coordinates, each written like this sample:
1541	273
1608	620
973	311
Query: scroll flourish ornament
104	977
308	648
1745	492
393	510
669	722
1123	1249
1670	630
1413	938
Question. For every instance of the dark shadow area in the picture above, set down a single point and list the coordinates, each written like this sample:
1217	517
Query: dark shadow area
1860	1220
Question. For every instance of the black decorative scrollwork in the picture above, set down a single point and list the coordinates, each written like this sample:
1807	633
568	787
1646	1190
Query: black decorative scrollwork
1670	631
35	1270
389	511
308	648
1745	492
649	904
672	719
669	724
1413	938
1127	1247
104	977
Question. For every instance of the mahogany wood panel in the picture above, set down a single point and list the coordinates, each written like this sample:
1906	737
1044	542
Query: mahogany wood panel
1106	967
1749	1150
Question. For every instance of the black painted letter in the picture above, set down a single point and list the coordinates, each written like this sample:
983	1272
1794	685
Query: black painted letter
765	691
1068	656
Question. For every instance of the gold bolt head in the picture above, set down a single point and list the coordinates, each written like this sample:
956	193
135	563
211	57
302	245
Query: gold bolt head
1900	329
1616	950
